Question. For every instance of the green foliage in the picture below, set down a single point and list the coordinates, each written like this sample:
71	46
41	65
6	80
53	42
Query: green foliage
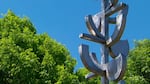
30	58
138	70
81	76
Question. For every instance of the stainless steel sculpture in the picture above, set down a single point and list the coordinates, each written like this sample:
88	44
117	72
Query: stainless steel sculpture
98	26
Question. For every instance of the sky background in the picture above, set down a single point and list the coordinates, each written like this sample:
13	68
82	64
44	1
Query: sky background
64	20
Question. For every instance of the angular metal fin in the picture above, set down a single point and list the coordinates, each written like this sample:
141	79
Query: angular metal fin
120	47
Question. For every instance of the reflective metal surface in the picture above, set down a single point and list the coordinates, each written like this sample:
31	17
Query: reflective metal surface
98	27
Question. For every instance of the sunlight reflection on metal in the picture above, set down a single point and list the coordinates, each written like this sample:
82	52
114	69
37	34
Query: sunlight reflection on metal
98	27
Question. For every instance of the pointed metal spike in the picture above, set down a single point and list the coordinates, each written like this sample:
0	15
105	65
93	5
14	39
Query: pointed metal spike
91	75
92	38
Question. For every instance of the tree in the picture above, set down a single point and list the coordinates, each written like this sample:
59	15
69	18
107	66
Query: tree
81	76
138	69
30	58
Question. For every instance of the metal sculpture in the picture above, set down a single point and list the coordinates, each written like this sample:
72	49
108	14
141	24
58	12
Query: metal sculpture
98	26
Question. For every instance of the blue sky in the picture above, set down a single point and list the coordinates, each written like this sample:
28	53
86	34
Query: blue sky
64	20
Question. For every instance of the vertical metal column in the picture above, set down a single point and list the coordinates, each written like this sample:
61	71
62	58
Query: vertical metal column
104	31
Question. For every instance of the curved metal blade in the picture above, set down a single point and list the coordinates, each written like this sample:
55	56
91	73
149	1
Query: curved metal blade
93	25
120	26
116	68
90	61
